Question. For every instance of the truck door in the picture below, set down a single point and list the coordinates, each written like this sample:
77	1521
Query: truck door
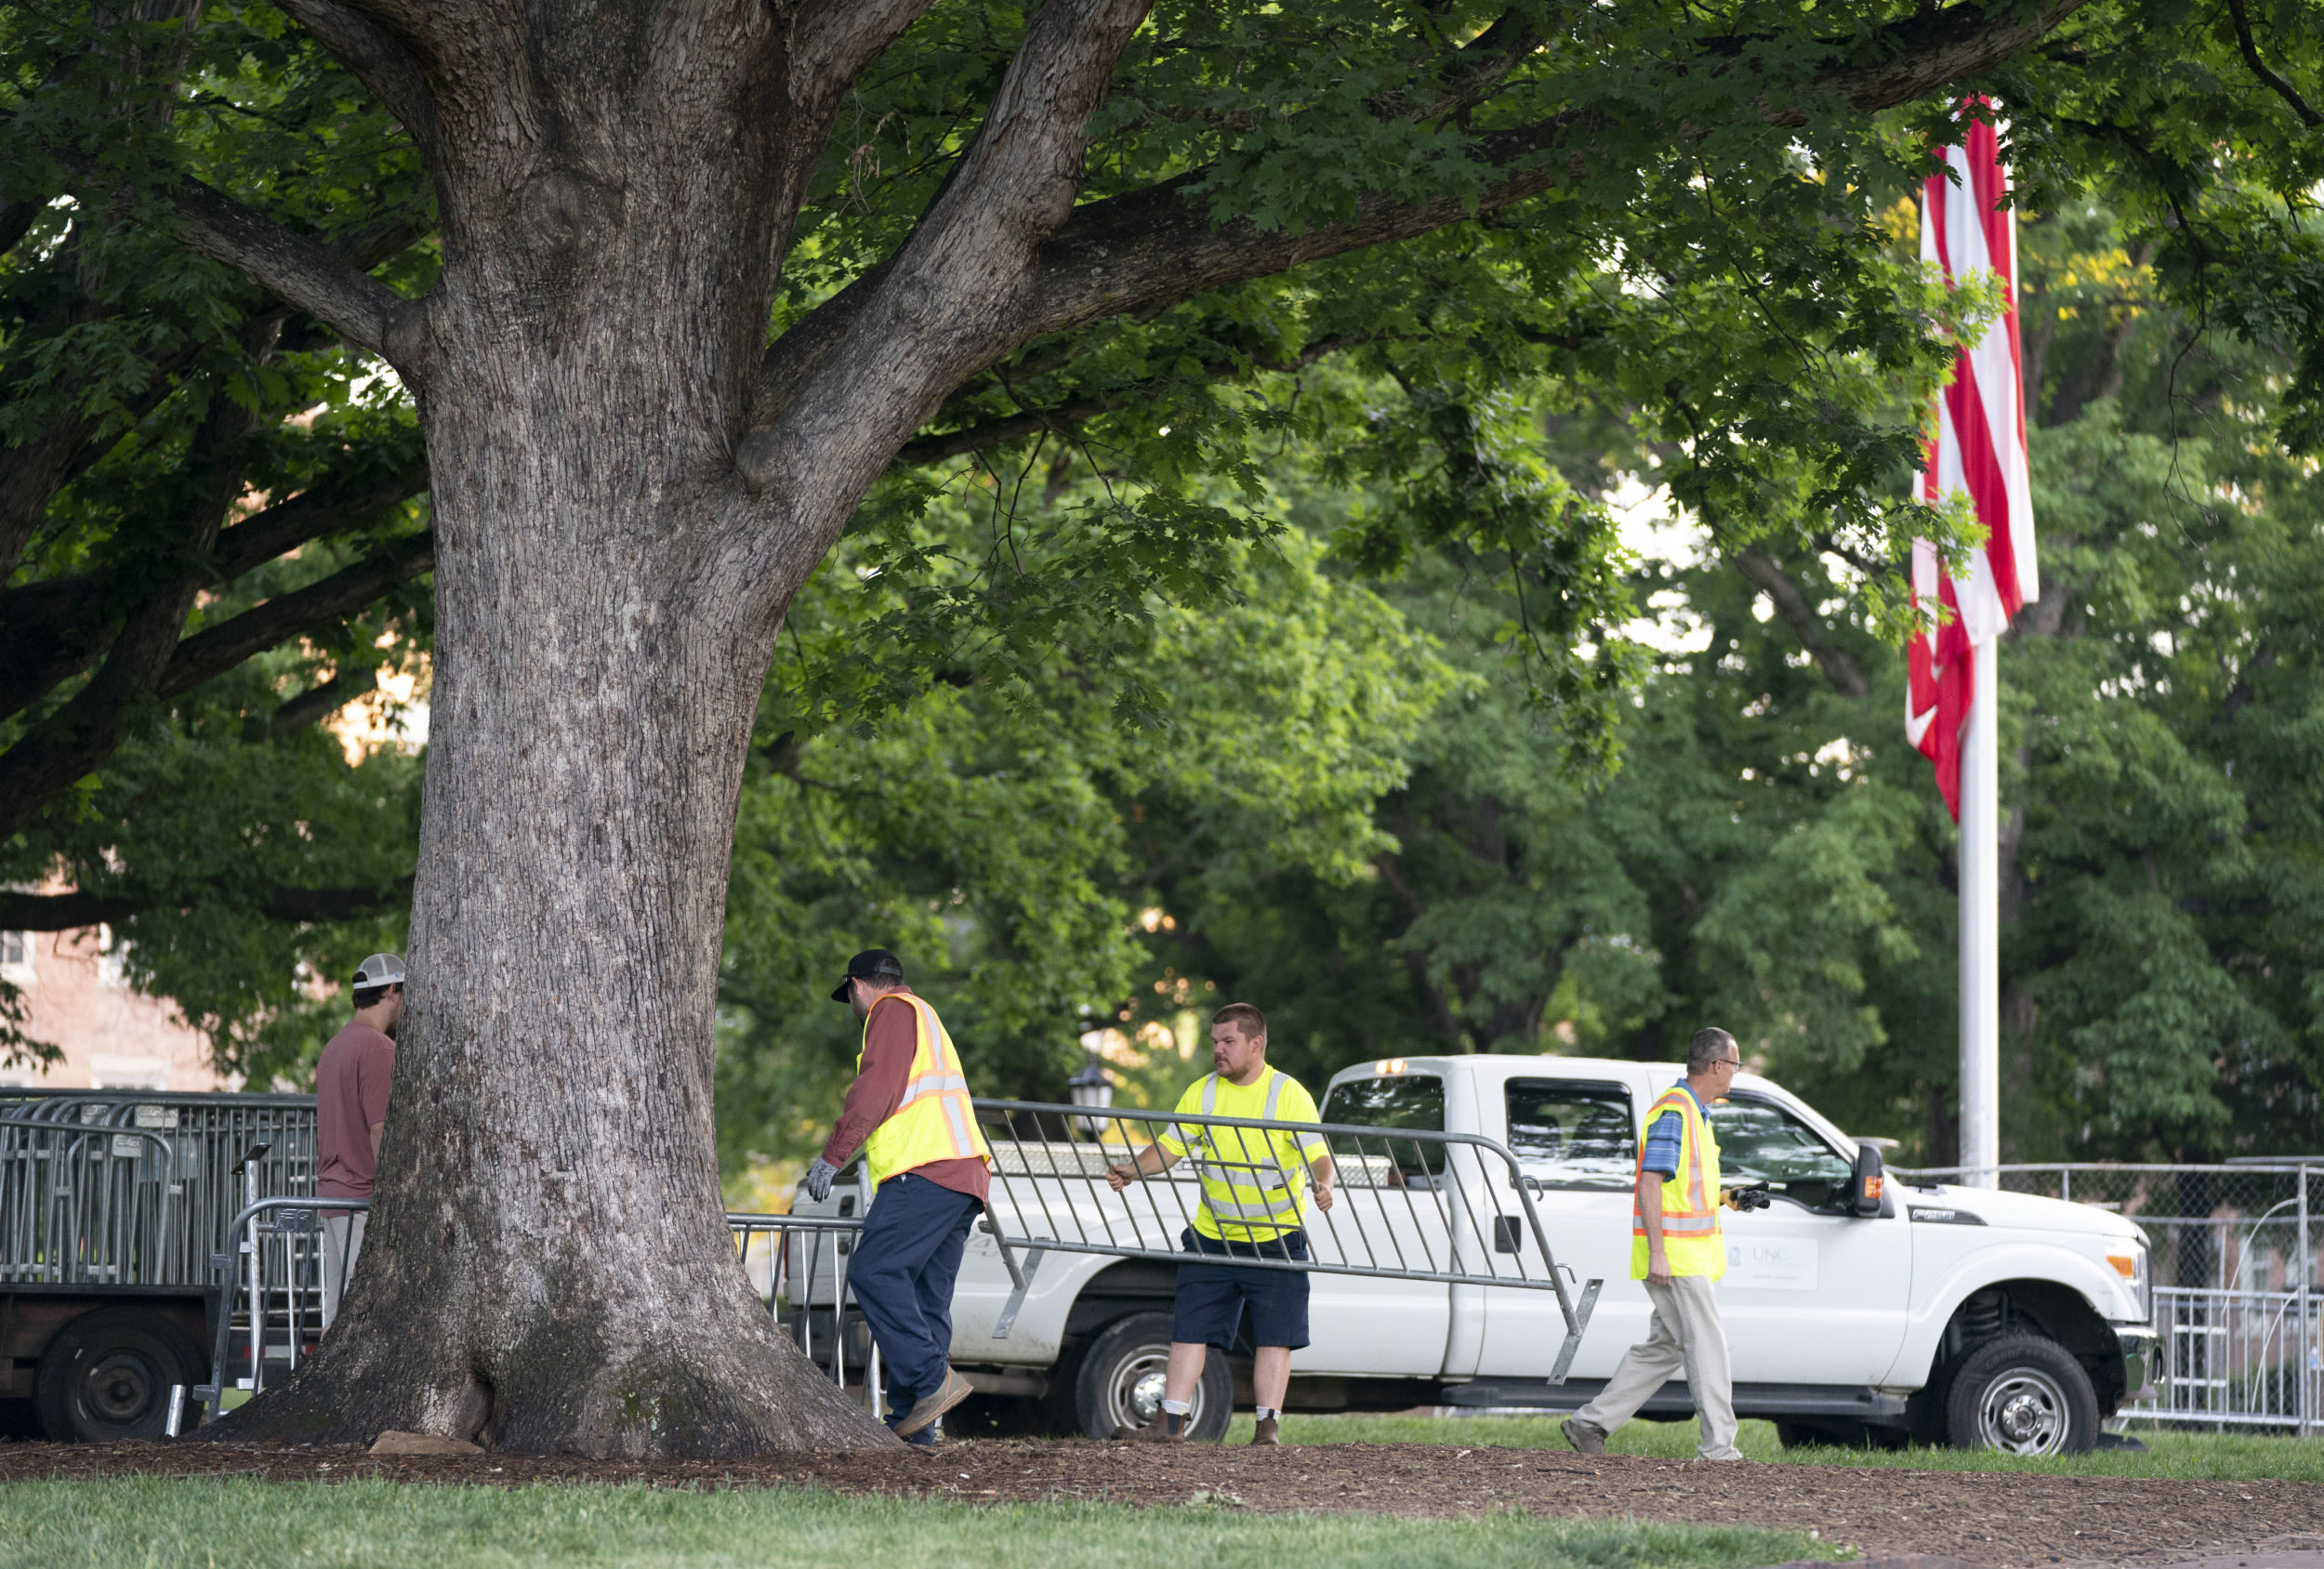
1813	1293
1577	1143
1388	1212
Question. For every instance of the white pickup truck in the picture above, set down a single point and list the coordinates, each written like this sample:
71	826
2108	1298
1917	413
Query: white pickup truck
1950	1315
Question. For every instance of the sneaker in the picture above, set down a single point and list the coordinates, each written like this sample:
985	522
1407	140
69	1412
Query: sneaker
1170	1428
954	1390
1265	1433
1582	1436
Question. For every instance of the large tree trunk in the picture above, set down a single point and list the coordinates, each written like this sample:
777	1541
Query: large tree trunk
547	1266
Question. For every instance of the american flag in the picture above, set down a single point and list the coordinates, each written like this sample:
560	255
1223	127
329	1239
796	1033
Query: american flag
1966	228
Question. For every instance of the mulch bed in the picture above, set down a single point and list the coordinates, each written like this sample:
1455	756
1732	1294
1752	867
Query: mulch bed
1981	1518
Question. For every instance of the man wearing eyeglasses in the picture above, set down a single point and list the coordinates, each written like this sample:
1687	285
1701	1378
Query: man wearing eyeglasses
1677	1248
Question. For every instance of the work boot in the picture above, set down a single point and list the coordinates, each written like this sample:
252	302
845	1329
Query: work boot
951	1392
926	1437
1582	1436
1166	1427
1265	1433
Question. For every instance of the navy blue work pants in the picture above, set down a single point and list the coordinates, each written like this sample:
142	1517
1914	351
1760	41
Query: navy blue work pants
902	1273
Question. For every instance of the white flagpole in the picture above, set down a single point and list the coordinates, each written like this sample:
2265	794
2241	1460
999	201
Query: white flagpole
1981	926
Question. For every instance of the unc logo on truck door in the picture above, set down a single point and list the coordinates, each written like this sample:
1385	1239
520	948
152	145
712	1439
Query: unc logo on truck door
1774	1264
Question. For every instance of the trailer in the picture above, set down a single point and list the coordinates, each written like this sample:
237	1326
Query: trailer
116	1210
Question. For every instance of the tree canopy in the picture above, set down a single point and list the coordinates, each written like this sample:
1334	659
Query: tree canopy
152	393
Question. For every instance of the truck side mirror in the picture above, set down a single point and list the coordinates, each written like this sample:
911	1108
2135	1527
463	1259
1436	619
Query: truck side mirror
1870	1177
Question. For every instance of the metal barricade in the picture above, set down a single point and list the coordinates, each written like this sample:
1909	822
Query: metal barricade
2233	1254
277	1264
793	1251
134	1187
1414	1204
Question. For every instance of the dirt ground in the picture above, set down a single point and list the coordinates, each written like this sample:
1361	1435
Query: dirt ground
1995	1519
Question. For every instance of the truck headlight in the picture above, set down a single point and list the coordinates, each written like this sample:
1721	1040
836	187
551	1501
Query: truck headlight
2129	1259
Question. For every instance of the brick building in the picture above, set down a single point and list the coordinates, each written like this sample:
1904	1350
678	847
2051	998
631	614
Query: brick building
113	1036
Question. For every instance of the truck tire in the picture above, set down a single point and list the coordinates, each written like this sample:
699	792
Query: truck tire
1120	1384
2022	1394
106	1376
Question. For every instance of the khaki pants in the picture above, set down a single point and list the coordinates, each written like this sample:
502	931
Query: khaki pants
1685	1335
343	1241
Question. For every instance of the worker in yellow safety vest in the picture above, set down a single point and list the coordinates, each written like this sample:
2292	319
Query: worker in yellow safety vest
1678	1249
929	1170
1252	1208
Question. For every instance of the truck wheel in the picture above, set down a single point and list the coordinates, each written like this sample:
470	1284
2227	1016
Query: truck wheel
1120	1381
2022	1394
106	1376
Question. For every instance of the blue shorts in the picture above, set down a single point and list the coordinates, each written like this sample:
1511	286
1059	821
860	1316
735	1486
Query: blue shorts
1211	1297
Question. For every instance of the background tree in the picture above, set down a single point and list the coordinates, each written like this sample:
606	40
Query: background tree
1773	855
706	276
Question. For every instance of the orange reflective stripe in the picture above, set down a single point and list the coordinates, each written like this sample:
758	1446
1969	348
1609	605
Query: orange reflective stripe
1698	1210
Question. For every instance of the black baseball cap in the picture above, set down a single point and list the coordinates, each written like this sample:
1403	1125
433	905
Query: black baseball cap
872	964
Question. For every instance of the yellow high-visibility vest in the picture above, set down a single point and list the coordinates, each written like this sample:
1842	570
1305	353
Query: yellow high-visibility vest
934	1120
1691	1238
1251	1179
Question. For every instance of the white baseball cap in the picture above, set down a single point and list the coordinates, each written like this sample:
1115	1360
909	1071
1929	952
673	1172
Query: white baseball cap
380	969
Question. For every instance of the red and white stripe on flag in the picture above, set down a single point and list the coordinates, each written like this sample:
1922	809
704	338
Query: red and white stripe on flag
1966	228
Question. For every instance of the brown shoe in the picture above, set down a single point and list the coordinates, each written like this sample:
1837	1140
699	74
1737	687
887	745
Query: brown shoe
1265	1433
1156	1431
1582	1436
926	1409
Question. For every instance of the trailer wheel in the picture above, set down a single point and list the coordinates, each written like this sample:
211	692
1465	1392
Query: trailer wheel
1120	1381
106	1376
2022	1394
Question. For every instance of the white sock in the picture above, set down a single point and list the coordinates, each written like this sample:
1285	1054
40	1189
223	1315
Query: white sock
1266	1412
1178	1408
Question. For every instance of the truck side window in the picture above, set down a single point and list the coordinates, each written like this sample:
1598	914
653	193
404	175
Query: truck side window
1567	1134
1758	1138
1415	1100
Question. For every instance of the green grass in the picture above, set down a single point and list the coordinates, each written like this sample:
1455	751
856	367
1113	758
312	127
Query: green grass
2185	1455
133	1524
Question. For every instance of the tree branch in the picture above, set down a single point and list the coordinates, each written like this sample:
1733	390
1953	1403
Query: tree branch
835	40
940	311
311	275
992	433
2282	88
1128	253
1839	665
376	59
70	911
1481	65
311	706
52	630
219	648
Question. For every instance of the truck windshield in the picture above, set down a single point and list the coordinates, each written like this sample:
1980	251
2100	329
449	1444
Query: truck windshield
1758	1138
1566	1134
1415	1100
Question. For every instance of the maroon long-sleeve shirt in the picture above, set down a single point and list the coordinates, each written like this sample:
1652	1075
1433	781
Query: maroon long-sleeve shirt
889	1040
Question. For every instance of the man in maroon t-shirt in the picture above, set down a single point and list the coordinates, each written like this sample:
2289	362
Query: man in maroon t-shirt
352	1114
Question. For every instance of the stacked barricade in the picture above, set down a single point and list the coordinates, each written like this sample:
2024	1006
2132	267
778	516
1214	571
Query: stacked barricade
2233	1256
134	1187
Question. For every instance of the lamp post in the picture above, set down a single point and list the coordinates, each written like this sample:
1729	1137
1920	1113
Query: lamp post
1090	1087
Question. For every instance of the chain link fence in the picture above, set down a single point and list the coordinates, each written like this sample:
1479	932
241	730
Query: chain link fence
2232	1255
